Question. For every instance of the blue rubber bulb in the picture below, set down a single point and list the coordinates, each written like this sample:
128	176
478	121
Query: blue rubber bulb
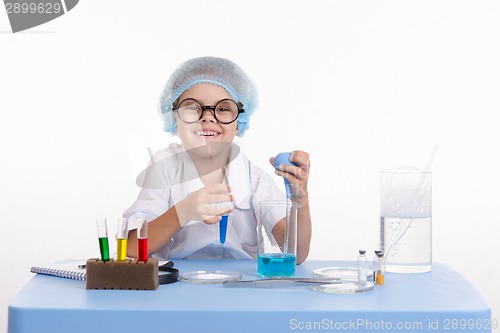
284	158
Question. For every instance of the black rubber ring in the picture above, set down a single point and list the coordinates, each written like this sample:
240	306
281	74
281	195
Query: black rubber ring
167	275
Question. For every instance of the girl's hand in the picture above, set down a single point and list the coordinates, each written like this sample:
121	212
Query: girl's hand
200	205
296	175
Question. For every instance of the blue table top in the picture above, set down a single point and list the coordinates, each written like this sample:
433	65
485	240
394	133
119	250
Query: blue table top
427	302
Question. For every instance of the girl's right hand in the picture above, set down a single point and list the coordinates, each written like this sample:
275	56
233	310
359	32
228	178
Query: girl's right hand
200	205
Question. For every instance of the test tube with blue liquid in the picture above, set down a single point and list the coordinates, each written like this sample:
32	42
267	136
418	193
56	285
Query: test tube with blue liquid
224	220
223	229
102	234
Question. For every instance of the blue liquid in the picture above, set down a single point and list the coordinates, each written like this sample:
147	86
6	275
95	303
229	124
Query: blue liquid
276	265
223	229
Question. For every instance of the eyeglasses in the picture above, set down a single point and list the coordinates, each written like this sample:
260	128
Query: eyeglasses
225	111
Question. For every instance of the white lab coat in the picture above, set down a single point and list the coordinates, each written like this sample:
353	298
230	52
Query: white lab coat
173	176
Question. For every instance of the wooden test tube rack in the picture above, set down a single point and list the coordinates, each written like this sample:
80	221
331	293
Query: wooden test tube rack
123	275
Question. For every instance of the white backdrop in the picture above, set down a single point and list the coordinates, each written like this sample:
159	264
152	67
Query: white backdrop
361	85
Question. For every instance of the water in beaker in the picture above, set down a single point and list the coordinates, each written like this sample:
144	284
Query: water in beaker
277	257
276	264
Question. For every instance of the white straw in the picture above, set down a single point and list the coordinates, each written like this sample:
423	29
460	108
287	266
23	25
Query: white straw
431	158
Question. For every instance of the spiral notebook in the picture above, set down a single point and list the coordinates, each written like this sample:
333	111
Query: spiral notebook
68	270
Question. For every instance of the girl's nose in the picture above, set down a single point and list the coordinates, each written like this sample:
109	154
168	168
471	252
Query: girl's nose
208	115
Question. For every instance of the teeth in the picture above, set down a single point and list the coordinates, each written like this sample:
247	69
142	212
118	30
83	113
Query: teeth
206	133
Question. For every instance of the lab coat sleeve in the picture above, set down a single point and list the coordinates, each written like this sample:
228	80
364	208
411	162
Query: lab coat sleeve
153	199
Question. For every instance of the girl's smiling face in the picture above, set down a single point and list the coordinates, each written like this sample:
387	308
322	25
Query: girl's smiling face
207	130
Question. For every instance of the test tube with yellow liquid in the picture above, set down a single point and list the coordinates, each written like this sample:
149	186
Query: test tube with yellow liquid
121	239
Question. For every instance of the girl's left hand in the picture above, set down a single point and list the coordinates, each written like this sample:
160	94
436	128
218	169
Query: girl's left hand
296	175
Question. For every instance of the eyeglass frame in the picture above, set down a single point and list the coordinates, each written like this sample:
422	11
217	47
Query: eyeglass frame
211	108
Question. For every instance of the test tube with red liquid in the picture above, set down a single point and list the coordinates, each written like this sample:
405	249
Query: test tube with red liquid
142	240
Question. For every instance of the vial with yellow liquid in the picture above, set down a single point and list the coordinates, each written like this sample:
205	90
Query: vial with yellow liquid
378	268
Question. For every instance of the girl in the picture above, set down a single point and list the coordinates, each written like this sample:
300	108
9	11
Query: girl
207	102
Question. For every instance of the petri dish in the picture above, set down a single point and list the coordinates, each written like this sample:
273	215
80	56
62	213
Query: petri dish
343	273
210	277
346	287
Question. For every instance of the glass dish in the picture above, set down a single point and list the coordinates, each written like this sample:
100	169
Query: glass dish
210	277
344	273
346	287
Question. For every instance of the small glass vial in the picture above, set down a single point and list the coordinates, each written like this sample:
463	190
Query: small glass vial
362	268
375	265
378	268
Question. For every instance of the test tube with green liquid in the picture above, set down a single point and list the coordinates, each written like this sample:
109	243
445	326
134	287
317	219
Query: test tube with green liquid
102	233
121	239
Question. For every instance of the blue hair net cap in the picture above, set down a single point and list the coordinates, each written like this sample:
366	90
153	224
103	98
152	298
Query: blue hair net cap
218	71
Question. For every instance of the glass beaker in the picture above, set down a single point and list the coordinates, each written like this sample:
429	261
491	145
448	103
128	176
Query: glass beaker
277	251
406	220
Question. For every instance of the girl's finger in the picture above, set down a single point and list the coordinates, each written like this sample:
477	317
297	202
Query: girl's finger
212	219
221	198
300	157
